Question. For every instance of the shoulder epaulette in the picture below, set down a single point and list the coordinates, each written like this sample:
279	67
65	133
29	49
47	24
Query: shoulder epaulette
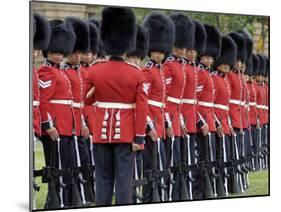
64	67
133	65
149	65
169	59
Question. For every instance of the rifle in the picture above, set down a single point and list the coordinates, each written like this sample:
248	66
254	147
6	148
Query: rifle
162	181
252	150
183	171
36	187
137	189
213	169
49	175
237	164
259	154
244	169
154	177
77	201
266	147
225	171
90	186
171	166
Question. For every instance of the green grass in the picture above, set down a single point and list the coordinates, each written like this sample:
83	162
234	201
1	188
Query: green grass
258	180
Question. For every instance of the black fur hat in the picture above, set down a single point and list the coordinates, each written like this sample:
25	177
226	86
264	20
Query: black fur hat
213	46
81	30
256	64
200	37
62	38
262	66
267	67
241	45
41	32
184	31
161	32
142	43
228	52
248	43
94	37
249	68
118	30
101	52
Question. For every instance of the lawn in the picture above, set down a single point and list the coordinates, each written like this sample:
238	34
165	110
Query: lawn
258	180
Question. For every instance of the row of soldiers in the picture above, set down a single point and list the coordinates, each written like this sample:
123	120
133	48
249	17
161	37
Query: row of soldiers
188	125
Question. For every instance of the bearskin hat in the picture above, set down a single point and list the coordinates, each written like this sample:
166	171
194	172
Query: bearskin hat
41	32
248	43
101	52
118	30
213	46
256	64
81	30
262	66
228	52
94	37
62	38
200	37
249	68
142	43
161	32
241	46
184	31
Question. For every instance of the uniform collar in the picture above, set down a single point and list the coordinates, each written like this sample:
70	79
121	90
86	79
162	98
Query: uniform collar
116	58
74	67
85	64
203	66
51	63
189	62
157	65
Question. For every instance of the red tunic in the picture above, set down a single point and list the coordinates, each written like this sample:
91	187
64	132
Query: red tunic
252	87
235	99
189	97
261	103
175	83
221	99
36	102
205	95
266	102
155	81
74	74
55	87
244	104
120	99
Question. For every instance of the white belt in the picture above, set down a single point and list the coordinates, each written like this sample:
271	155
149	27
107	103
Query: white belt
77	105
252	103
115	105
262	107
36	103
174	100
155	103
234	101
61	101
189	101
206	104
223	107
243	103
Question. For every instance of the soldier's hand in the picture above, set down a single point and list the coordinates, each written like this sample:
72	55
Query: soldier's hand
231	130
220	131
205	129
169	132
85	132
184	130
137	147
90	92
53	133
153	135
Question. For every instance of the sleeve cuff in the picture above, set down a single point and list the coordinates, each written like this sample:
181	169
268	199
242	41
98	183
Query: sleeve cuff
139	140
45	125
200	123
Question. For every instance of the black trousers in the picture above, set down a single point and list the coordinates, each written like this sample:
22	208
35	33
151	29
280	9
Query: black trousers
67	155
114	164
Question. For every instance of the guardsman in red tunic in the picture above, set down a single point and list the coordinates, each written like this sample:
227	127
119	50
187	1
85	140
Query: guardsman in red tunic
266	107
221	103
261	109
189	113
57	115
72	69
120	98
161	32
253	113
134	57
205	96
40	43
246	142
88	59
175	72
